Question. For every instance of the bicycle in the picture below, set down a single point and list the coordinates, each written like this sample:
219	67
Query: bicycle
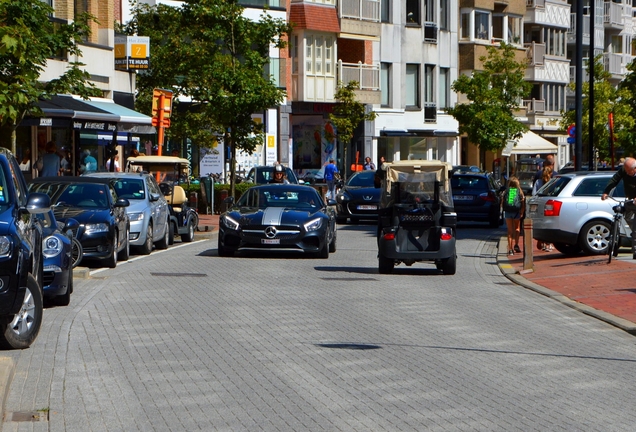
77	252
614	240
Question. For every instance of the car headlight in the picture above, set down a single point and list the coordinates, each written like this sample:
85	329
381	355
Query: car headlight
343	197
134	217
313	225
229	222
95	228
51	246
5	246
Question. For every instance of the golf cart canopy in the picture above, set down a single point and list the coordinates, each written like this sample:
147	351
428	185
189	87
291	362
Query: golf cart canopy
416	179
159	164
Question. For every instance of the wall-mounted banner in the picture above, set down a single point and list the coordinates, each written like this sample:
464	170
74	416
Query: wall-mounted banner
132	52
211	160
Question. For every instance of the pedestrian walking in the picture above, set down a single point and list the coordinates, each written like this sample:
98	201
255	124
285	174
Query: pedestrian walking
330	177
626	173
513	205
50	164
368	165
546	176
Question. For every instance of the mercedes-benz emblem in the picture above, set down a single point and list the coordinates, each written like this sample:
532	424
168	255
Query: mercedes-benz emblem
270	232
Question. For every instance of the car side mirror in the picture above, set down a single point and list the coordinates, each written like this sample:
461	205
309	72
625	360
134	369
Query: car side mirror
154	197
122	202
38	203
331	202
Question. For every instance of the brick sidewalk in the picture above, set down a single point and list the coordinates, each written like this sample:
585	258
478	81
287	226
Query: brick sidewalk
588	280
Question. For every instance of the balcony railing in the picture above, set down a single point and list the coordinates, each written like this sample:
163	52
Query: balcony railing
536	53
430	112
586	76
613	63
262	3
367	76
613	14
367	10
430	32
586	25
535	3
534	105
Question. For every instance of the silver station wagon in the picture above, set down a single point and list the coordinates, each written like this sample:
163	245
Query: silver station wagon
568	212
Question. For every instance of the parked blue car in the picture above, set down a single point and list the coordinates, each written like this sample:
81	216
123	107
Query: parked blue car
57	276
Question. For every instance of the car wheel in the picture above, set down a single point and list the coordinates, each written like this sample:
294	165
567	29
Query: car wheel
385	265
146	248
567	249
163	243
189	236
332	244
324	251
65	299
449	265
124	254
21	329
223	251
77	252
171	230
594	237
111	261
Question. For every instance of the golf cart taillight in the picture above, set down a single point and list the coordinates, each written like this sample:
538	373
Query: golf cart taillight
389	236
552	208
445	234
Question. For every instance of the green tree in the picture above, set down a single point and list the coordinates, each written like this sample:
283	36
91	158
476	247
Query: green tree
607	99
624	121
28	39
208	51
493	94
348	113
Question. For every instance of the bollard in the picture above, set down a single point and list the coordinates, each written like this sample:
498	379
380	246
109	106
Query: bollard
528	264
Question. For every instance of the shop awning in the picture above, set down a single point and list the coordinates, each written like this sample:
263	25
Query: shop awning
531	143
129	120
101	110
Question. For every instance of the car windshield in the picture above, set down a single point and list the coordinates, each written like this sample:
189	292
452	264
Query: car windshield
83	195
362	179
278	196
130	188
5	198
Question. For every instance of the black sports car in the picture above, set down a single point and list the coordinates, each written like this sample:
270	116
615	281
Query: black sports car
359	198
93	202
279	217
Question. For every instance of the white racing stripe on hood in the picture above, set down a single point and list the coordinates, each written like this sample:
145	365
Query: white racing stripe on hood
273	215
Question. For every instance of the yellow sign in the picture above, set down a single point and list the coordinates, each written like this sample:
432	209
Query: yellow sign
132	52
167	102
271	143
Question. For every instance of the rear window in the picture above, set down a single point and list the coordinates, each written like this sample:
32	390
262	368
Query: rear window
469	183
592	186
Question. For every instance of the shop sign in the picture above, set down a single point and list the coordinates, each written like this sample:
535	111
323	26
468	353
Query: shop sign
46	122
94	125
132	52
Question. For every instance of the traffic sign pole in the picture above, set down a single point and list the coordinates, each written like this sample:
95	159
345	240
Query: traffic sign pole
160	112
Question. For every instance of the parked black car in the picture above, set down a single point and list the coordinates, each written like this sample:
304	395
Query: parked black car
93	202
21	260
359	198
477	197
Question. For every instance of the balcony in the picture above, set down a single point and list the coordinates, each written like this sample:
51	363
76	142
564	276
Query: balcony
536	53
360	17
534	106
367	76
613	63
572	30
586	76
535	3
613	16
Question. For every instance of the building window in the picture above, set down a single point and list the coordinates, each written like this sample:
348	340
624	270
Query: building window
309	56
319	55
465	30
498	28
555	41
514	30
385	84
444	87
385	11
444	15
413	12
294	55
482	25
412	87
322	1
429	11
429	78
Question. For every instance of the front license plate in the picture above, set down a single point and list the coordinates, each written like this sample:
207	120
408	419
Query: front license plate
367	207
533	208
270	241
462	197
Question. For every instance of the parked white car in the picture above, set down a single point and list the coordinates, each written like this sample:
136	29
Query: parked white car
568	212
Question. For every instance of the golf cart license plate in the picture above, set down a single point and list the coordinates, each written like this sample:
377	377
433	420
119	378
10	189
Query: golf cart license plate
462	197
270	241
367	207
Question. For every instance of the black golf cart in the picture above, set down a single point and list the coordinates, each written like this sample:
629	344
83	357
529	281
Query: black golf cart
417	221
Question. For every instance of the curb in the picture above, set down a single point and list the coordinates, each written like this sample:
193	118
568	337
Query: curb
509	272
7	370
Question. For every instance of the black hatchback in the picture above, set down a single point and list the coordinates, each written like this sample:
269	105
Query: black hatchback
477	197
21	259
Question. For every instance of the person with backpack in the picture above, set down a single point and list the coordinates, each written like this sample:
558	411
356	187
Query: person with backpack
513	206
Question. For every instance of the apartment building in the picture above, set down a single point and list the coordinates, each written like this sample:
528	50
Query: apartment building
418	62
78	126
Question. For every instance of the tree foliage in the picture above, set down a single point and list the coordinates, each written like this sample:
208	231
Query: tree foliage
209	52
607	99
28	39
493	94
625	122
